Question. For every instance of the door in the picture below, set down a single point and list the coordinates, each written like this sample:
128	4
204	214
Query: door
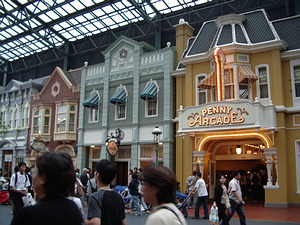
212	178
122	174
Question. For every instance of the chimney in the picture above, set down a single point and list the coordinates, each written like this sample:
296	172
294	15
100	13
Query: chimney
183	32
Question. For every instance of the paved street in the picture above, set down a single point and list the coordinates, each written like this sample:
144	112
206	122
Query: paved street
5	219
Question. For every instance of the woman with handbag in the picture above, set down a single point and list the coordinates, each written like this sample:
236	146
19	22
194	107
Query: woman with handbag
221	197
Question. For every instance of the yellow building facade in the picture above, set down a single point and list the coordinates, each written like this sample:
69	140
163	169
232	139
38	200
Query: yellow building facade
238	102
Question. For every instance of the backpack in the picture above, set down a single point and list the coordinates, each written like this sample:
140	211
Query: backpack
84	179
92	188
16	179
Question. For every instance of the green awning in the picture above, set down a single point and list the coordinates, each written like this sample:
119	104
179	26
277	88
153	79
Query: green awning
92	100
119	96
150	91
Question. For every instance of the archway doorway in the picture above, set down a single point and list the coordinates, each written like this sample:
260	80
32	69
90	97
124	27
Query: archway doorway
250	160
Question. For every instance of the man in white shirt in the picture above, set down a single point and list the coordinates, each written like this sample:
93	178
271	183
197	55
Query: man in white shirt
202	197
19	184
236	200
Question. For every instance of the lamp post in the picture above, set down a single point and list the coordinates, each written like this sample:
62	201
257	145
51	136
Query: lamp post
156	133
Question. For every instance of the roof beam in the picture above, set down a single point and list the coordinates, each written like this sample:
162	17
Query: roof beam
141	11
29	28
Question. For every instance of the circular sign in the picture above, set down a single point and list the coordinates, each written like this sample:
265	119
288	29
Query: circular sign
112	147
38	146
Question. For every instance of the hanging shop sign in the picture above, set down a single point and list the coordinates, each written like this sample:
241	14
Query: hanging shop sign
112	146
113	141
38	144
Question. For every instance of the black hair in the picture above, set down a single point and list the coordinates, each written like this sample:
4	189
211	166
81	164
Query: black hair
194	173
21	164
164	180
134	176
235	173
107	170
220	175
199	174
58	169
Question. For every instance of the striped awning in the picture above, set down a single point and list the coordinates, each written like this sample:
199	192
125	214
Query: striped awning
245	72
92	100
150	91
209	81
119	96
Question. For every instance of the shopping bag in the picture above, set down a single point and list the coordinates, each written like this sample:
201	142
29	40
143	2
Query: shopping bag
28	200
213	216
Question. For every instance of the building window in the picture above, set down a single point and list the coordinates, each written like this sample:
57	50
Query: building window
93	115
297	80
25	116
36	121
72	118
200	92
2	116
61	118
151	107
263	82
120	110
47	121
66	117
229	83
16	118
41	121
244	89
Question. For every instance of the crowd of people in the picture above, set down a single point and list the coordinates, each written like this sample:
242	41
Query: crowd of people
57	188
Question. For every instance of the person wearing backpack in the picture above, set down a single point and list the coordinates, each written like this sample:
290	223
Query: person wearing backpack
19	184
134	192
91	185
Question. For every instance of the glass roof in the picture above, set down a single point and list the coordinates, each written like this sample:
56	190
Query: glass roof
31	26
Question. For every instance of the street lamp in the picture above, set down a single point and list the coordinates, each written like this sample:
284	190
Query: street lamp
156	133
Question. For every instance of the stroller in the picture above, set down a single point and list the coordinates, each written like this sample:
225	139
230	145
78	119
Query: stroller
182	204
4	194
123	191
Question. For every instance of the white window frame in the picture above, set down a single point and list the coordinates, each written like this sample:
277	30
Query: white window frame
25	115
297	158
263	100
3	121
293	64
92	113
147	102
42	120
117	106
68	112
198	90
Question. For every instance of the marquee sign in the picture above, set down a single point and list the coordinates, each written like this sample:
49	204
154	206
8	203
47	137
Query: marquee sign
224	115
217	115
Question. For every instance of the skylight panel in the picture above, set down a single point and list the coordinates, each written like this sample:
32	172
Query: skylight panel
40	5
98	12
33	8
73	21
119	5
108	21
108	9
5	22
117	18
81	19
90	27
17	29
45	18
52	15
68	8
89	16
129	15
83	29
98	25
77	5
88	3
9	5
61	11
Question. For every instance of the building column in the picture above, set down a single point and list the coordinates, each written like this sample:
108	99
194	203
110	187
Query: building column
271	159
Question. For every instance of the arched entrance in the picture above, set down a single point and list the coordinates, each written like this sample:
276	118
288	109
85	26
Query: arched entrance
247	152
8	157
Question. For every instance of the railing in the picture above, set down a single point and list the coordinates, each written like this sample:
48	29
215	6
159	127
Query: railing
95	70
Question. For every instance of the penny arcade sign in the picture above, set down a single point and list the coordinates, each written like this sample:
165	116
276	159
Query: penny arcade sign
226	115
